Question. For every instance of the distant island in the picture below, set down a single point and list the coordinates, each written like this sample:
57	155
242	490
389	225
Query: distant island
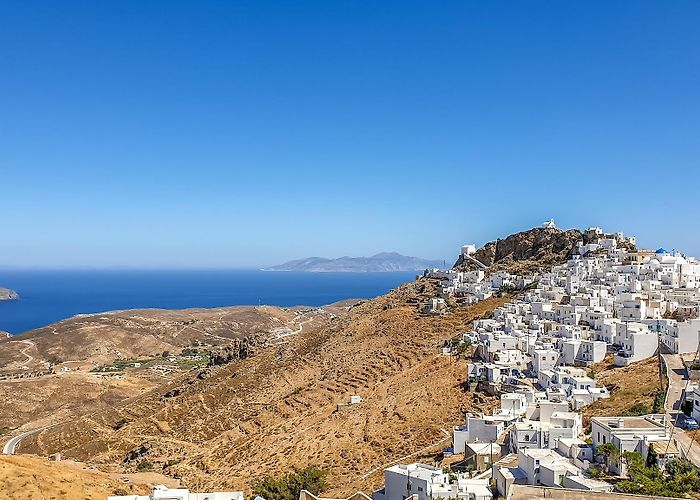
7	294
380	263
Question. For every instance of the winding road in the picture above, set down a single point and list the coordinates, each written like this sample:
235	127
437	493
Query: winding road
24	350
11	445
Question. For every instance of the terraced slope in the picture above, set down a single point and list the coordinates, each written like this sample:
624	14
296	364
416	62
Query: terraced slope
226	427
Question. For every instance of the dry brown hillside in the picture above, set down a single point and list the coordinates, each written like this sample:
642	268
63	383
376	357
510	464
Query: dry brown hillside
32	395
32	478
631	385
138	332
227	426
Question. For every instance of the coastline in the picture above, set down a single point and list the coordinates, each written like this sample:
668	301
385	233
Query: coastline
53	296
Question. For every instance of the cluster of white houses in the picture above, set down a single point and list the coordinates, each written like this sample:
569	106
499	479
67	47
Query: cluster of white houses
534	352
604	298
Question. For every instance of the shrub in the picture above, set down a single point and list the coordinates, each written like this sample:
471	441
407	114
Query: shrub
636	410
144	466
595	472
679	478
288	487
609	451
659	397
119	424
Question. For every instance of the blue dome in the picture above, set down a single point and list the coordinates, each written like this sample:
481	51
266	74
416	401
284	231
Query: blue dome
661	250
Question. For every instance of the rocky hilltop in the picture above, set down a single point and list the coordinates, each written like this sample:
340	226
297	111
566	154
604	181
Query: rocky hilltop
534	250
381	262
7	294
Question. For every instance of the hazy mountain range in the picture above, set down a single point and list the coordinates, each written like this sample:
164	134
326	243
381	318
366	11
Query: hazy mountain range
382	262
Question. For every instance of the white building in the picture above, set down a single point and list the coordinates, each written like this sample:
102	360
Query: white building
484	429
628	433
549	468
161	492
425	482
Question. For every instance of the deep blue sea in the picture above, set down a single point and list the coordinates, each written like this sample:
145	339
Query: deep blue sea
49	296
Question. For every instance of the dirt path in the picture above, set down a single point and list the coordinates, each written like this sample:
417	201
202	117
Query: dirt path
30	345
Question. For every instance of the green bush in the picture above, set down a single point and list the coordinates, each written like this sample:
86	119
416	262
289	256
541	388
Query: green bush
636	410
288	487
144	466
659	397
678	479
609	451
595	472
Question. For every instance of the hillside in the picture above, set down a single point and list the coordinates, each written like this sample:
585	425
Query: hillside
30	478
381	262
78	345
105	336
225	427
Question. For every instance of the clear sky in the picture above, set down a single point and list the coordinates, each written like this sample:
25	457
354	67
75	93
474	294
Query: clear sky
246	133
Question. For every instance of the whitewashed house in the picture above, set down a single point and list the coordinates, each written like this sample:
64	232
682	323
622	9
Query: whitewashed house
161	492
425	482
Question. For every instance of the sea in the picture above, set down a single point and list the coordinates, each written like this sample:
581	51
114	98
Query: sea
50	296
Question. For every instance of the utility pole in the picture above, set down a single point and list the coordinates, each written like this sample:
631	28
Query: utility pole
659	357
493	475
408	481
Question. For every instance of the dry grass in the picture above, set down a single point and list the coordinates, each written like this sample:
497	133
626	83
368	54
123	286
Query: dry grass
30	478
630	385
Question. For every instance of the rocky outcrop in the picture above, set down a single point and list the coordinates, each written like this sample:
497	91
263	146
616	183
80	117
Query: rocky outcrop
528	251
535	250
239	349
7	294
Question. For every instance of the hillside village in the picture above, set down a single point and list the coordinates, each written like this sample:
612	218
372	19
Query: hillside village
607	301
608	304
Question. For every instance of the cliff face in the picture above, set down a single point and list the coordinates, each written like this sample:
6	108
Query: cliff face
7	294
535	250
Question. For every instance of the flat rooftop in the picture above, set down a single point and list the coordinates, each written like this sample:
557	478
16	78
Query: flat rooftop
628	422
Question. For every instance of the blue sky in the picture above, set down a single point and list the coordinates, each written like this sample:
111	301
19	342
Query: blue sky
236	134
